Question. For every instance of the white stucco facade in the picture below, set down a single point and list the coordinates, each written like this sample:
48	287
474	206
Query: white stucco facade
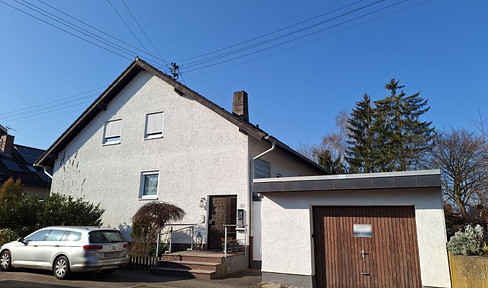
287	226
200	154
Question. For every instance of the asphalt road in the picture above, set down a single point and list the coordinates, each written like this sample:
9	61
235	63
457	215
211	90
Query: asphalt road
24	278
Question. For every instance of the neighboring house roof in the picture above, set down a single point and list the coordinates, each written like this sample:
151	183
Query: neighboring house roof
138	65
19	165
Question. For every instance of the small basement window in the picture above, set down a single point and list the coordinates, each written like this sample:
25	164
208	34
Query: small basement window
154	125
112	132
149	185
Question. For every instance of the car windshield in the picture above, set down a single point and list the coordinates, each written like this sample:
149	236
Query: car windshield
106	237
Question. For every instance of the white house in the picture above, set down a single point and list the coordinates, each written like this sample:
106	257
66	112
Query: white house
148	137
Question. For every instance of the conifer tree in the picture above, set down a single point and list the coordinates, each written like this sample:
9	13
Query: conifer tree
360	153
402	138
387	135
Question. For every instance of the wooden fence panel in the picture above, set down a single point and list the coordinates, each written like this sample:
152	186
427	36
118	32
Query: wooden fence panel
468	271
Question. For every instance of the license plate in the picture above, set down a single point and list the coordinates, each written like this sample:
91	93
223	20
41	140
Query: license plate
115	254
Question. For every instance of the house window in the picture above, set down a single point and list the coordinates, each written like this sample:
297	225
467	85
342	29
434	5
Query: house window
112	132
262	169
149	185
154	125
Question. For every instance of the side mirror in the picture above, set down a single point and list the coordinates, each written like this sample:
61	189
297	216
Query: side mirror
21	239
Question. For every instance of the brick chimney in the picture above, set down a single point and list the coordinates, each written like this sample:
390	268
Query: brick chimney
7	143
240	106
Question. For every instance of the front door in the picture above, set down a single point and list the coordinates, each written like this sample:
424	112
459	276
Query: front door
366	247
222	210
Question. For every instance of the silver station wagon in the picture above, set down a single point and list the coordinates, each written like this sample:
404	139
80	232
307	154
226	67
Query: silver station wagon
66	249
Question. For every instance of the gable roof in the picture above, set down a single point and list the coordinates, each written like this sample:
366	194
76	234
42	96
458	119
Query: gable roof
18	165
138	65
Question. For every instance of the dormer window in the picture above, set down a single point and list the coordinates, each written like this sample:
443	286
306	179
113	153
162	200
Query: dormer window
112	132
154	125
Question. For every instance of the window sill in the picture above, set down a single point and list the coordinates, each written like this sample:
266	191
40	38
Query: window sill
111	143
146	198
153	137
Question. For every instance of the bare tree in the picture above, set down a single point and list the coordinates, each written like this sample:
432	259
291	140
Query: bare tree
335	141
330	153
461	157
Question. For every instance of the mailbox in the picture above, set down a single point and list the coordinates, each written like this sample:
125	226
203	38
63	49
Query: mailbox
240	217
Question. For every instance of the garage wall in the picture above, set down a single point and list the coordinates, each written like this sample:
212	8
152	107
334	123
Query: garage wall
288	227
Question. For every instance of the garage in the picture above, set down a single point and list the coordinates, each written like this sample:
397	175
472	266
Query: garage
371	246
355	230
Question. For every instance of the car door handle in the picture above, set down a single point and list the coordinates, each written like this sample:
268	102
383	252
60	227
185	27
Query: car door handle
34	245
56	245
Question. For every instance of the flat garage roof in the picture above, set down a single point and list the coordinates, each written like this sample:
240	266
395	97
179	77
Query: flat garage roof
389	180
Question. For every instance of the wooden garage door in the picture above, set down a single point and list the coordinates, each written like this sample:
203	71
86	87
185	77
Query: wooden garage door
366	247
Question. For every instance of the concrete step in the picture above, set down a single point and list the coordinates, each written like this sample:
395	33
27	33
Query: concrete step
193	258
208	266
193	273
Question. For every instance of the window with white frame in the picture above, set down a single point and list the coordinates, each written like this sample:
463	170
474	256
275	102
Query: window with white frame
149	184
112	132
262	169
154	125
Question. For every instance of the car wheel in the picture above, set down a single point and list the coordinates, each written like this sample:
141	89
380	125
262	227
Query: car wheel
5	261
108	271
61	268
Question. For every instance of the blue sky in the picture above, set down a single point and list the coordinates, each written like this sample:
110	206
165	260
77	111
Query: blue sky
295	89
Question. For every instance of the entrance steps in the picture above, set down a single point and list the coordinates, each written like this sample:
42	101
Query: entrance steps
201	264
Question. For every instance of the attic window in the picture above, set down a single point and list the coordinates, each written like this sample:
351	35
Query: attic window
112	132
154	125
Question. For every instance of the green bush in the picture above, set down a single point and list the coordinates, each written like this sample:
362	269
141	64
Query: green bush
469	242
7	235
152	250
24	214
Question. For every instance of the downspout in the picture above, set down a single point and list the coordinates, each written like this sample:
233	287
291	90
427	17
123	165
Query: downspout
273	145
45	171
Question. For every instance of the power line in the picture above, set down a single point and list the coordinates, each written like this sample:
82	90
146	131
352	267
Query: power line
41	106
48	115
126	25
316	39
235	51
101	31
46	111
43	109
273	32
73	26
123	51
148	39
298	38
66	31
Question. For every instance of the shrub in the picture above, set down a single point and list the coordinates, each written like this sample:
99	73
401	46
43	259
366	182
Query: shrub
152	250
23	214
469	242
7	235
64	210
11	189
148	220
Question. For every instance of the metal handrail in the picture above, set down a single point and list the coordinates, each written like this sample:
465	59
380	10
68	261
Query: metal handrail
245	238
158	238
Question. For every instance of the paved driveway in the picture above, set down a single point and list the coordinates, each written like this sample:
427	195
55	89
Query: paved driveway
122	278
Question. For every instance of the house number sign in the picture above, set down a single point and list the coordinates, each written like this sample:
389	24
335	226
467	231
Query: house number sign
362	230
